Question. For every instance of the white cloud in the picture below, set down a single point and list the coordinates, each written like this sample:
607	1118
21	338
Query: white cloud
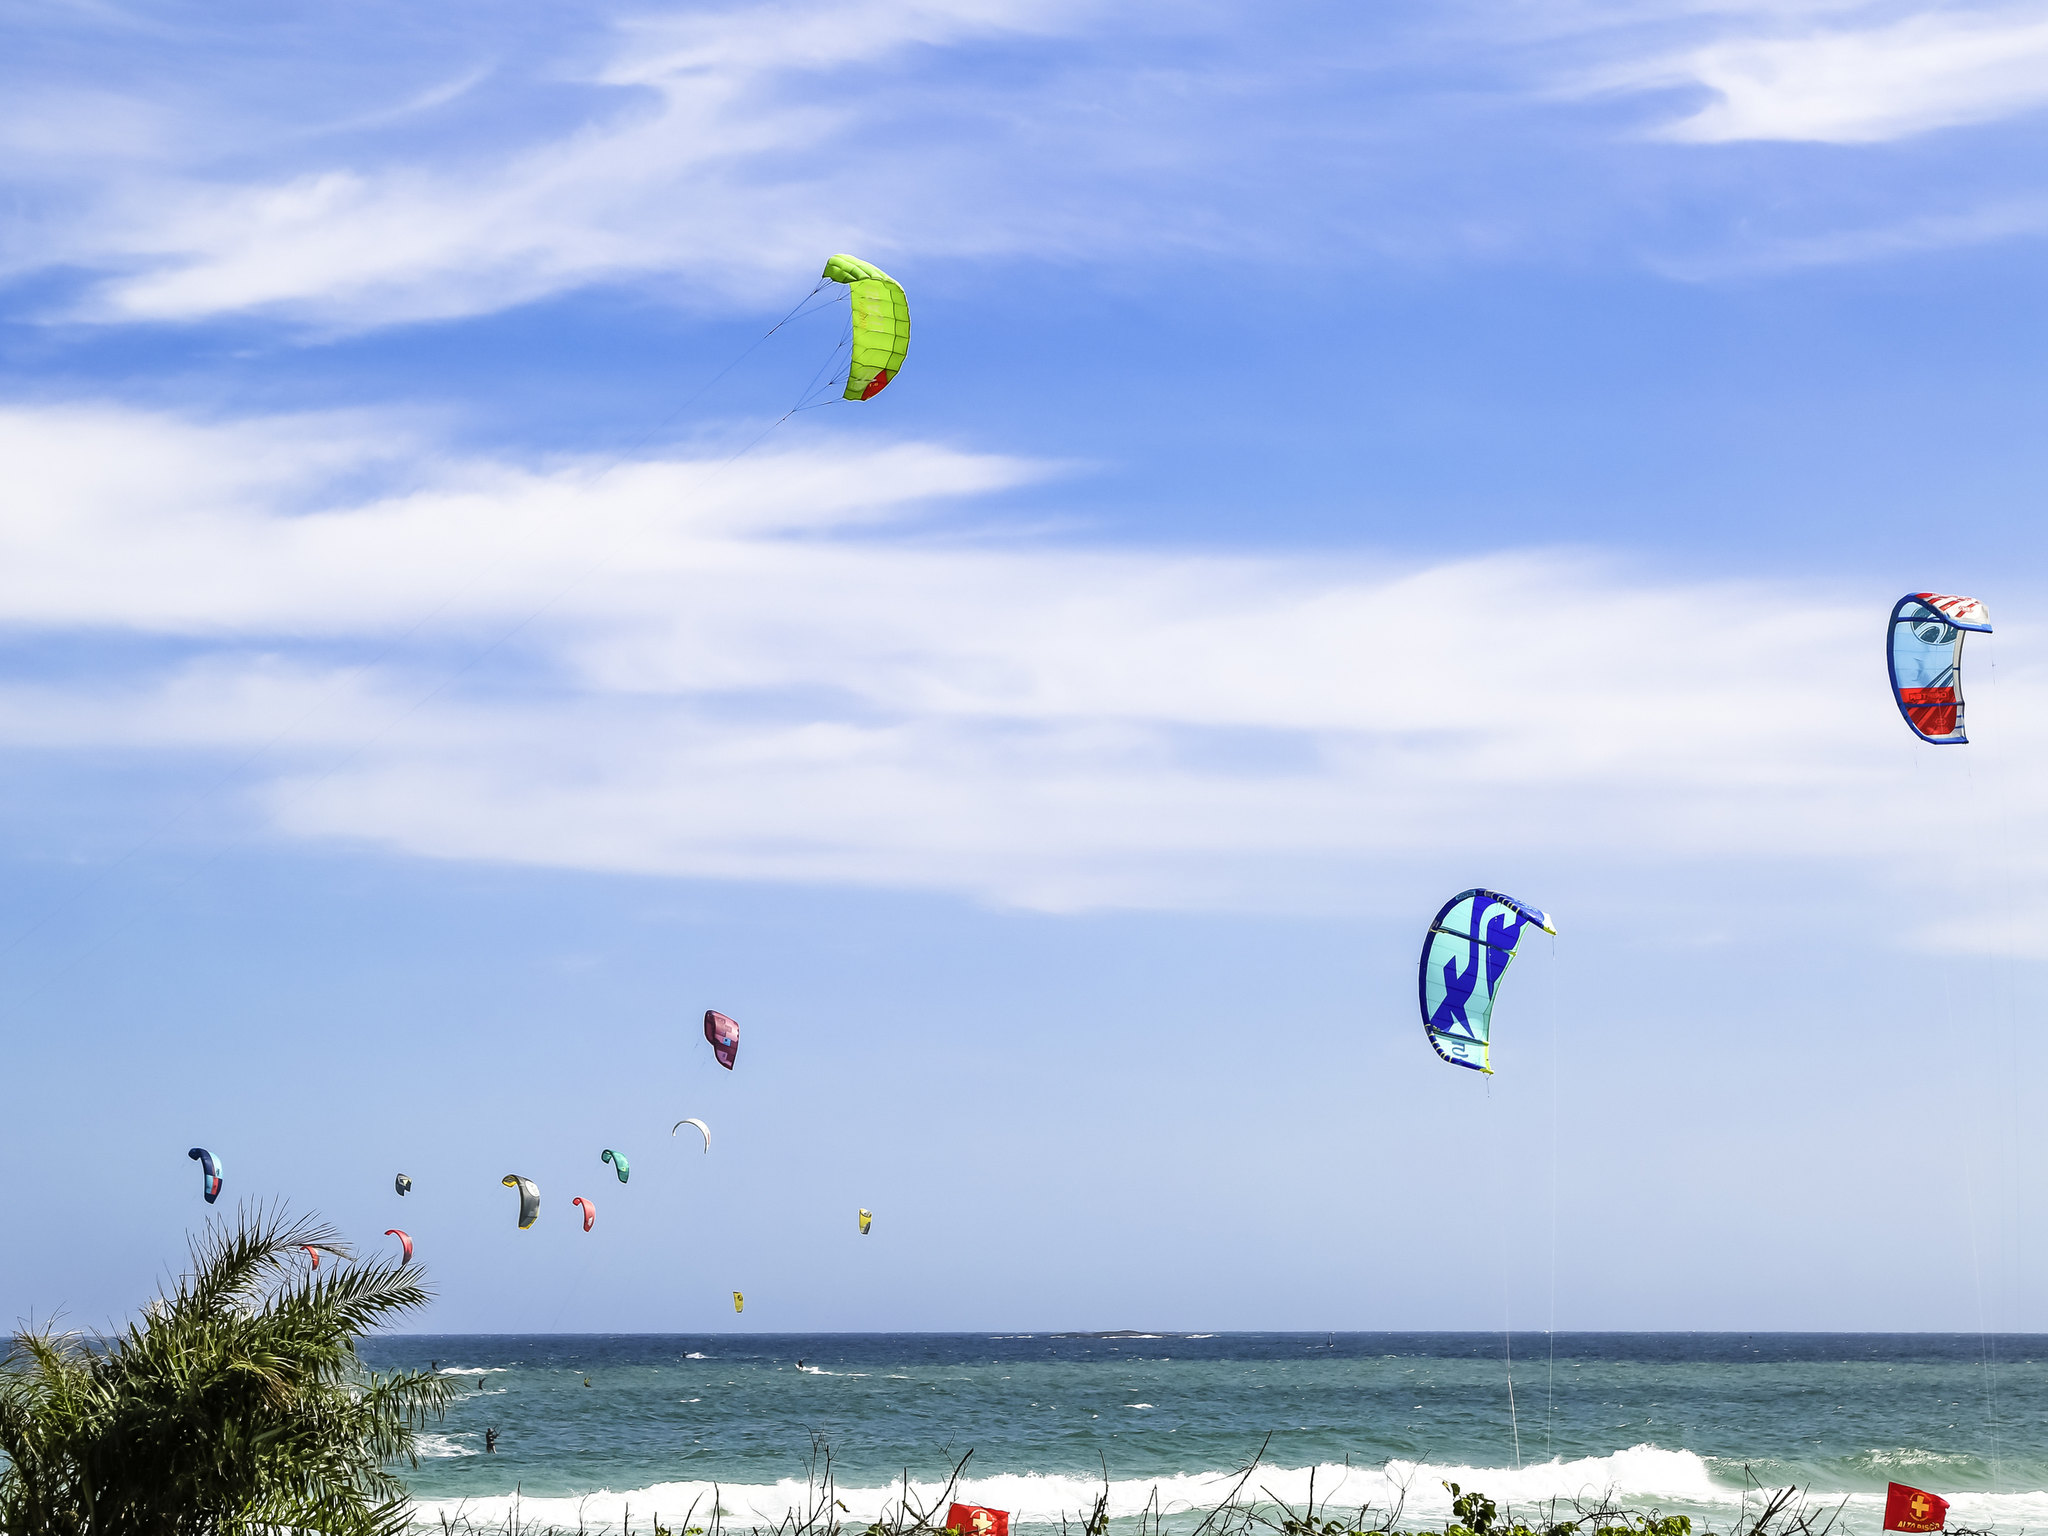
766	673
718	146
1937	68
713	157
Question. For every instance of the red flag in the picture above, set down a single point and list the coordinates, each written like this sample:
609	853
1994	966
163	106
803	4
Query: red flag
1912	1509
973	1520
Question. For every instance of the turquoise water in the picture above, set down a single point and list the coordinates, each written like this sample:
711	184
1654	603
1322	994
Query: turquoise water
1666	1420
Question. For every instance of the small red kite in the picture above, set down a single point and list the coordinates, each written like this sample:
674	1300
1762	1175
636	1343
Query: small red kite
1912	1509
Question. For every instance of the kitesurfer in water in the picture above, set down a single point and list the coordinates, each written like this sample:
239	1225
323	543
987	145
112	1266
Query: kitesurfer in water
491	1439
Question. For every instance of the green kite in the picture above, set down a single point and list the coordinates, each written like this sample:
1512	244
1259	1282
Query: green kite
881	325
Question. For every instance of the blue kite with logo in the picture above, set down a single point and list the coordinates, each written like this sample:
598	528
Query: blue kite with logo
1464	957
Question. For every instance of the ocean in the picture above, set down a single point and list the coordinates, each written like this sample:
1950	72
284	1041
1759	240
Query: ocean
591	1427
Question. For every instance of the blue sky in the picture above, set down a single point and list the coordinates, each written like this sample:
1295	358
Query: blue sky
1346	455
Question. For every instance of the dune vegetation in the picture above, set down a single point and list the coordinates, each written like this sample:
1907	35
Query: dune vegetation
235	1402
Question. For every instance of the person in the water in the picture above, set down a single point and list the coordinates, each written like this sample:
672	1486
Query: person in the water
491	1439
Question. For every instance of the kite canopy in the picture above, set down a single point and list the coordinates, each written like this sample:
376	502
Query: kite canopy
704	1129
881	325
724	1035
403	1238
739	1302
313	1252
866	1216
403	1184
618	1161
1924	652
589	1211
210	1173
529	1198
1464	957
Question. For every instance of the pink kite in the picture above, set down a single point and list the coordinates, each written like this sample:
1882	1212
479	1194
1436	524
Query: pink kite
589	1211
724	1036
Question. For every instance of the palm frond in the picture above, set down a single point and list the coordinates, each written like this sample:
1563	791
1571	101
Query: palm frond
235	1405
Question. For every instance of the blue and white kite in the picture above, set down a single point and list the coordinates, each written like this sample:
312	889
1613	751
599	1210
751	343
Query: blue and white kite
1463	959
1924	650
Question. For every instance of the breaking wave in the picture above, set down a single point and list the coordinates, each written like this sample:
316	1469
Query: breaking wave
1643	1477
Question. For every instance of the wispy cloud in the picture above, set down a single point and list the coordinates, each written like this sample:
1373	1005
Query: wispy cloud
731	148
1987	224
1845	84
712	143
764	673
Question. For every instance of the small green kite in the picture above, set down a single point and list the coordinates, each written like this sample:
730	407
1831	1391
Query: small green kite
881	325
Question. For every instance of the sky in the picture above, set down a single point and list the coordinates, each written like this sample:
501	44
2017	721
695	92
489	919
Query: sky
1346	455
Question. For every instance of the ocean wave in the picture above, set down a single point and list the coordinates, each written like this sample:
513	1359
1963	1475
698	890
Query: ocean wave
1892	1459
1643	1477
442	1445
474	1370
695	1356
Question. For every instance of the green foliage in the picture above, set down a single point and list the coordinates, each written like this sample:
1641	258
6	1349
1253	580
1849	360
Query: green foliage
1473	1514
235	1406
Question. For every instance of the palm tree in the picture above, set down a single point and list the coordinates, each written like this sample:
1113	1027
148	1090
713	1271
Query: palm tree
234	1406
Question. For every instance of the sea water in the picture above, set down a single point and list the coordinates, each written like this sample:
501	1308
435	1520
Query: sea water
592	1426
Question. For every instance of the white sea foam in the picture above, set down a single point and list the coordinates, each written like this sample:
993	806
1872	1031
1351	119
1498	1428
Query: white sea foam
474	1370
1643	1476
442	1445
1908	1456
1137	1405
694	1356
